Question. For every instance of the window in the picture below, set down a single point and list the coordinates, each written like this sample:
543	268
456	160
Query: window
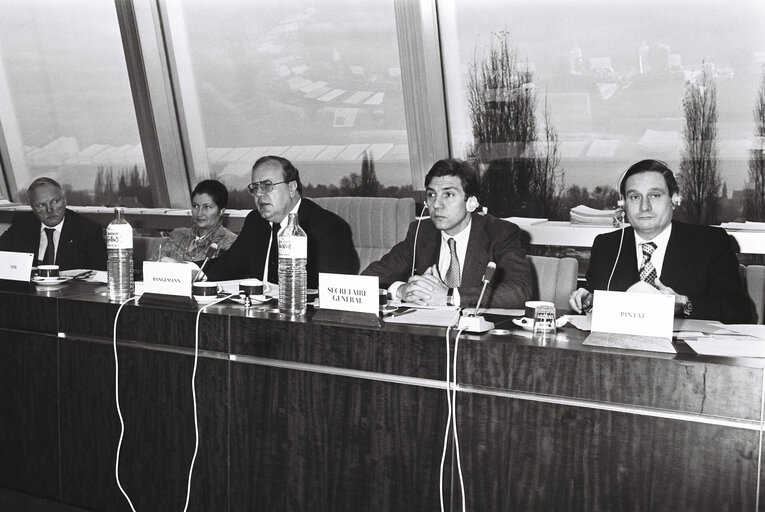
71	108
611	77
318	83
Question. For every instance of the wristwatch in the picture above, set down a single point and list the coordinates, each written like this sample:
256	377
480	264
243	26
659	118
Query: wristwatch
450	297
687	307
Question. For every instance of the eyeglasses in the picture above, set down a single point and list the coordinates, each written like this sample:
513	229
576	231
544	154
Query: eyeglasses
265	186
53	204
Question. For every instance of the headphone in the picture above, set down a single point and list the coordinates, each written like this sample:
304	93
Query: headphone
471	204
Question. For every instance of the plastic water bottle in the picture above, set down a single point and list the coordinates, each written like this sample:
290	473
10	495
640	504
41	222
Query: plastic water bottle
293	253
119	266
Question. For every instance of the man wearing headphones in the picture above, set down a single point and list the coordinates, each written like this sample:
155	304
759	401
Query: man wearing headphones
694	263
442	259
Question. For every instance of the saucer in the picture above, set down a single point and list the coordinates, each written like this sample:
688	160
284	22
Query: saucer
528	324
205	299
524	323
48	283
257	299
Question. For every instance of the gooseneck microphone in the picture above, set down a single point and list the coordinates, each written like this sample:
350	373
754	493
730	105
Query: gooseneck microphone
209	254
487	276
471	322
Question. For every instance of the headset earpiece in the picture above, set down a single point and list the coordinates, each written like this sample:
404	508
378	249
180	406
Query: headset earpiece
620	203
677	200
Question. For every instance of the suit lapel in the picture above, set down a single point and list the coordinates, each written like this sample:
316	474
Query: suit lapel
676	256
65	241
428	247
477	255
626	273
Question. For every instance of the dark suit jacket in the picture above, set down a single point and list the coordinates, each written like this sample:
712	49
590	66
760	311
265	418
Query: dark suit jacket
699	262
491	239
81	244
330	247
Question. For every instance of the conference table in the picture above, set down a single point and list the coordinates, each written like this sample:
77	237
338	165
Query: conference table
300	415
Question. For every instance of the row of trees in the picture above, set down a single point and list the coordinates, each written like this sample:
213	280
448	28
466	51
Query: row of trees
126	187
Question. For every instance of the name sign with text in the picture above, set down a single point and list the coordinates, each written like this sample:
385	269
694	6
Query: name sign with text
638	314
345	292
16	266
167	278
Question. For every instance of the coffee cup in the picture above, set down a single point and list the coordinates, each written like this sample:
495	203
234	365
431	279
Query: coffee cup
47	271
204	289
250	287
531	306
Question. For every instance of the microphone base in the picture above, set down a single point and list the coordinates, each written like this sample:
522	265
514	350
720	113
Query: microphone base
475	324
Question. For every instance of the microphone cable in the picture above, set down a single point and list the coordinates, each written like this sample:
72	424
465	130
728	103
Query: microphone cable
417	232
193	394
117	401
618	253
454	322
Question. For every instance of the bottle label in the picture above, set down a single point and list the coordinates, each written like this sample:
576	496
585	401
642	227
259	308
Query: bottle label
119	236
293	247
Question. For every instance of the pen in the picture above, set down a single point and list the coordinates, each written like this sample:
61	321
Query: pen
404	312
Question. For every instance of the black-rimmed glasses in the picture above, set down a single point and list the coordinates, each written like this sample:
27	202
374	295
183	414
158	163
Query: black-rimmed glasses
265	186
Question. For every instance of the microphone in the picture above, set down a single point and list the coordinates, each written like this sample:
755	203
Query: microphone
487	275
471	322
209	254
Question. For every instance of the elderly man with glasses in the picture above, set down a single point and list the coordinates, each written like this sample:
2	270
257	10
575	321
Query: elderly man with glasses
277	192
53	233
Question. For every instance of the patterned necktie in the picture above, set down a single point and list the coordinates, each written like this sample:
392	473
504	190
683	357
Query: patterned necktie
50	251
452	279
647	272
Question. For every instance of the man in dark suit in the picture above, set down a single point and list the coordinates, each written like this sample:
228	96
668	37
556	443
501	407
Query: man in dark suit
277	191
694	263
442	259
53	233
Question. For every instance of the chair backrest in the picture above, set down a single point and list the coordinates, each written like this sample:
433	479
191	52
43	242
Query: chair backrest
553	279
377	223
753	279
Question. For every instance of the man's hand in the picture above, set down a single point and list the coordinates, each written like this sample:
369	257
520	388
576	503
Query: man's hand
426	290
580	300
679	299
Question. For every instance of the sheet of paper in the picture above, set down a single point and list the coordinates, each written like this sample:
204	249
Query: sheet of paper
581	322
704	326
441	317
757	331
727	347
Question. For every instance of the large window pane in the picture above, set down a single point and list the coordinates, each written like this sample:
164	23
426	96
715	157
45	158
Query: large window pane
318	83
72	107
613	76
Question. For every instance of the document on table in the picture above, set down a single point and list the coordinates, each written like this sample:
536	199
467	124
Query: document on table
433	316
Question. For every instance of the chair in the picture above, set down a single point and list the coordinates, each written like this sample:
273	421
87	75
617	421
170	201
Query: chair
753	279
377	223
553	279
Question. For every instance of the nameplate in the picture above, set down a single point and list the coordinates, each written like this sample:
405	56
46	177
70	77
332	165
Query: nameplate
167	278
16	266
637	314
343	292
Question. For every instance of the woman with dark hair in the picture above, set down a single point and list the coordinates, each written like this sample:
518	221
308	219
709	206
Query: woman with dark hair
208	202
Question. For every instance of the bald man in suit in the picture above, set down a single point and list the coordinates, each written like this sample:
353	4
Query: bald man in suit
453	248
53	233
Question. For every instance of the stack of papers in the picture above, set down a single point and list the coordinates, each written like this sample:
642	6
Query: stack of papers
585	215
744	226
525	221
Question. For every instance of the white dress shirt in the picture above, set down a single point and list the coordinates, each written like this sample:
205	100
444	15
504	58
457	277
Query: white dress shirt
657	258
44	240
